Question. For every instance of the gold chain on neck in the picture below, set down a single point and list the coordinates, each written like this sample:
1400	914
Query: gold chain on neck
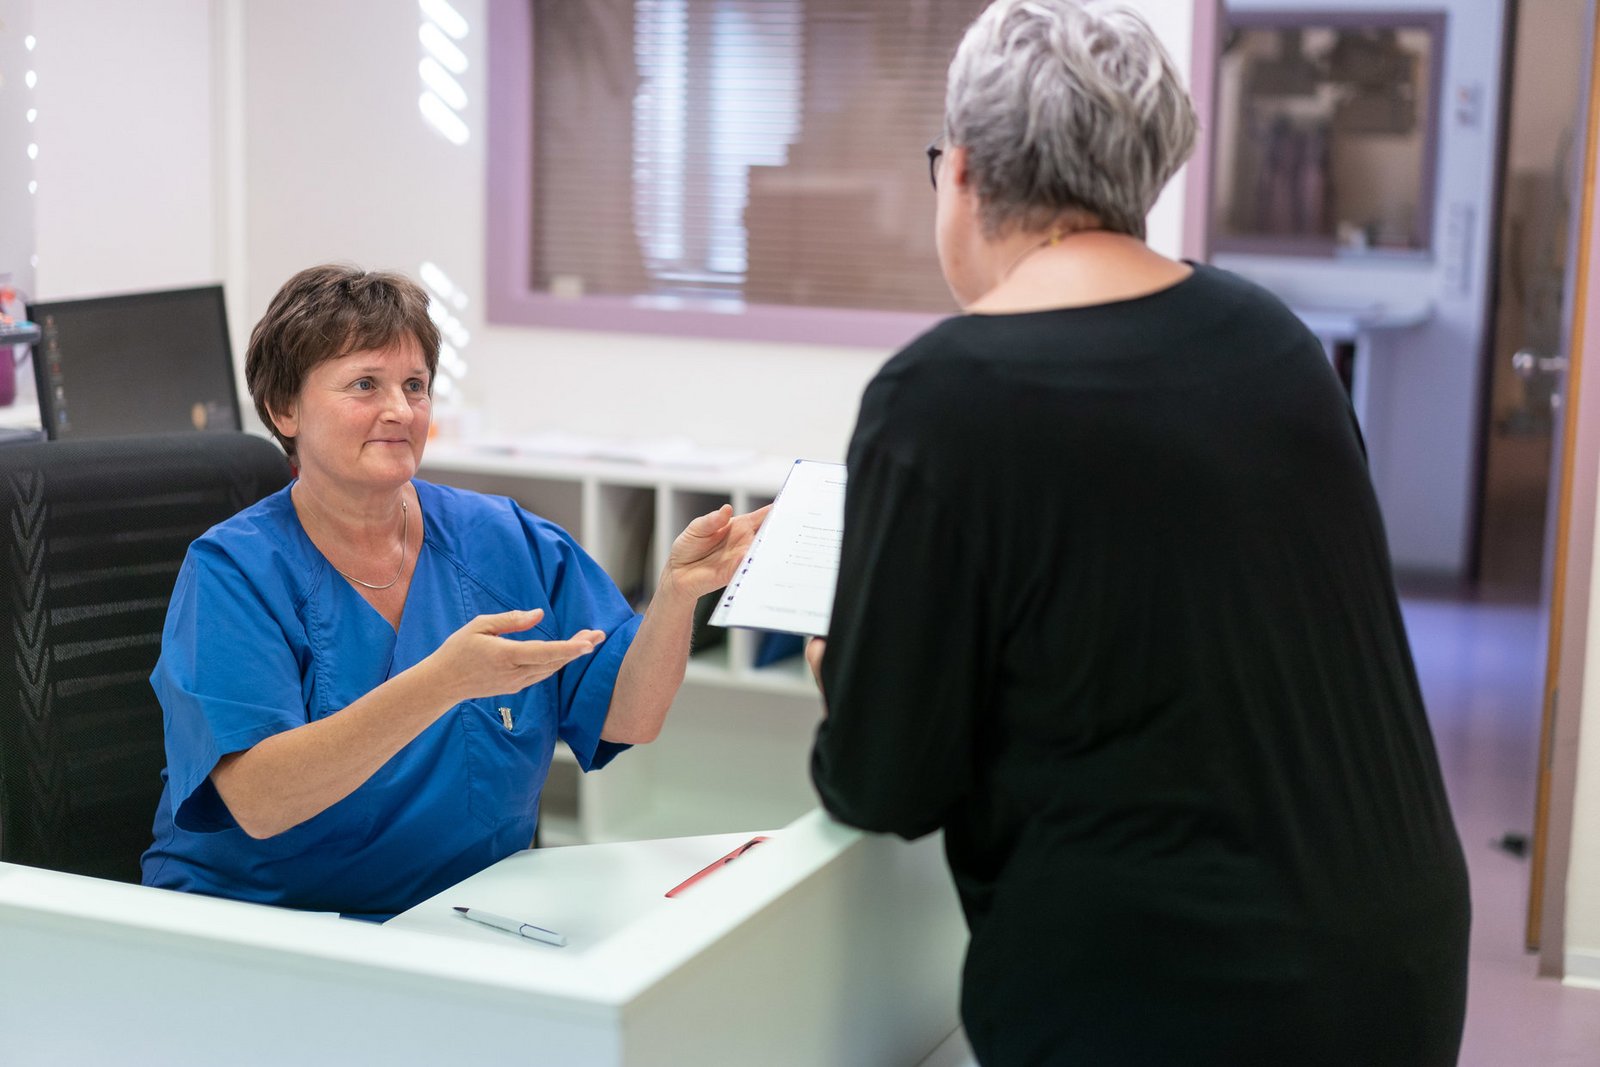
405	529
1055	238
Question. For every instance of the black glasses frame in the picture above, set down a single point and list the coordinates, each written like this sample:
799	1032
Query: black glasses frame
935	150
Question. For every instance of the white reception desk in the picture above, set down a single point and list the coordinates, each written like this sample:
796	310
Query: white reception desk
821	946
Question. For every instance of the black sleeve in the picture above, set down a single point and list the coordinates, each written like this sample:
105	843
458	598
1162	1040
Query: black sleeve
902	676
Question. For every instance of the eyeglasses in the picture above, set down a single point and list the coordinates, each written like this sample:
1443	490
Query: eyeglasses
935	150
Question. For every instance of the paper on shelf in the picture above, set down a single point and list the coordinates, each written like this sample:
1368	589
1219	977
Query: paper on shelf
556	443
652	452
785	582
672	452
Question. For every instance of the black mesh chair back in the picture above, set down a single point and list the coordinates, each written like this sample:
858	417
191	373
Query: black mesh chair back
92	534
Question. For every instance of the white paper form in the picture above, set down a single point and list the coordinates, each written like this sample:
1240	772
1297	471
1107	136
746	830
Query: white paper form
785	582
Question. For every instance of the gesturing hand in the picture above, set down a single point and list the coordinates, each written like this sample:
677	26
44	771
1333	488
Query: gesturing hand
705	554
476	661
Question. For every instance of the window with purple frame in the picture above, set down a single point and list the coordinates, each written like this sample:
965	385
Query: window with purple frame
733	168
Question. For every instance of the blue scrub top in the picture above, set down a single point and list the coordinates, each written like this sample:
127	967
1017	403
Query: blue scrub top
262	635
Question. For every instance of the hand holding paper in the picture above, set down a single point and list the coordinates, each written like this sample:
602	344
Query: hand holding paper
704	555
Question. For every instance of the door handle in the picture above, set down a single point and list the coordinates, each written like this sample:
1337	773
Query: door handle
1528	363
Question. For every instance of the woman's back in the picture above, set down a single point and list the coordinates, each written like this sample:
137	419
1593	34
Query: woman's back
1163	705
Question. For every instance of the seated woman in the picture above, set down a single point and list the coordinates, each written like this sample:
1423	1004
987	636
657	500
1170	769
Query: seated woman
364	676
1115	612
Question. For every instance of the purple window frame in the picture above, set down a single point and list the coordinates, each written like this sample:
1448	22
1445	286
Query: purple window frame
511	299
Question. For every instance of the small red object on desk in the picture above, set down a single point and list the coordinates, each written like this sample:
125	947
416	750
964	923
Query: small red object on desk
715	866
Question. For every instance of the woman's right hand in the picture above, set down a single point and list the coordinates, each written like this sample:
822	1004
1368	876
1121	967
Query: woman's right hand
476	661
287	778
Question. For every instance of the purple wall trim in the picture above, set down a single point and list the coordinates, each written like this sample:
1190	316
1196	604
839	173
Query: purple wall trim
510	161
509	295
755	322
1204	54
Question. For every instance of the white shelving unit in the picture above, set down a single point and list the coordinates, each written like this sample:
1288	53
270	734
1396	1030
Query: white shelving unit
735	751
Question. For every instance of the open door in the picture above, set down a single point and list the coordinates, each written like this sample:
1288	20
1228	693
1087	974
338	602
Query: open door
1567	589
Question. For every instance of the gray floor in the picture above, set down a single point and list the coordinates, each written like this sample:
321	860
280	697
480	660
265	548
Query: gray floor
1481	667
1482	672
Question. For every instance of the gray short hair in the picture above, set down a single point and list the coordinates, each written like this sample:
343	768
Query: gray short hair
1066	107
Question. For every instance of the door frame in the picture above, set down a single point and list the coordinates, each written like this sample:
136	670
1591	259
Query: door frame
1569	591
1205	53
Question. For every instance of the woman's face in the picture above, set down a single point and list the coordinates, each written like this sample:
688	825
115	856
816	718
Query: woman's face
956	233
360	421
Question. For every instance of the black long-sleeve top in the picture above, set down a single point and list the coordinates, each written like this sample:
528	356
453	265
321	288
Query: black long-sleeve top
1115	611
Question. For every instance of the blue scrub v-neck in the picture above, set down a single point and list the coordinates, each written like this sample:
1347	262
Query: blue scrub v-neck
358	619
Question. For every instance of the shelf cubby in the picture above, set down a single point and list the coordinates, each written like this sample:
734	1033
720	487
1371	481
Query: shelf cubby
624	539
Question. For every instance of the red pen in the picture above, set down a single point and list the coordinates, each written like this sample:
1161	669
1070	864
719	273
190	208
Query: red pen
715	866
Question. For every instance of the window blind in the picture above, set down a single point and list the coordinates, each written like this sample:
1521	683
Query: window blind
720	153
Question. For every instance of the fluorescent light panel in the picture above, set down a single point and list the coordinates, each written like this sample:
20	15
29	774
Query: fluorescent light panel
442	118
441	48
443	85
448	18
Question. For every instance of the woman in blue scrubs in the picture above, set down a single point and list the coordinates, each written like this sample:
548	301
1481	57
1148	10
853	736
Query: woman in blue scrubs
364	675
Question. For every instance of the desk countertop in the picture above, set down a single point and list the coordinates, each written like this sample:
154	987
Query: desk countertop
845	948
590	893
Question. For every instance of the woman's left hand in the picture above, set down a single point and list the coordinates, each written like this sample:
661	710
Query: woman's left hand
816	648
705	555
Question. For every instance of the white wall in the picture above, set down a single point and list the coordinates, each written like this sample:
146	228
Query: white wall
126	167
1174	22
16	169
341	166
1422	429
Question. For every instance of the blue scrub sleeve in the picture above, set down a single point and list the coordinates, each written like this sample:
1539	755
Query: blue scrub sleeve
583	596
226	679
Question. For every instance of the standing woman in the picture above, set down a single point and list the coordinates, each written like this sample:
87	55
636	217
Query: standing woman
364	676
1115	612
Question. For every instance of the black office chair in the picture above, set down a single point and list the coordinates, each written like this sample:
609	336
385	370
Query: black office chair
92	534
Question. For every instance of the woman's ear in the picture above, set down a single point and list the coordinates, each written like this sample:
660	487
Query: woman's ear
954	168
287	421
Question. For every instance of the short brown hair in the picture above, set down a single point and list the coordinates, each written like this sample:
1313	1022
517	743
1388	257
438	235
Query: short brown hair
326	312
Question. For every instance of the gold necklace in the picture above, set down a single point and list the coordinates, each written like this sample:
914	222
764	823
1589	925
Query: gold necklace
1055	238
405	528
